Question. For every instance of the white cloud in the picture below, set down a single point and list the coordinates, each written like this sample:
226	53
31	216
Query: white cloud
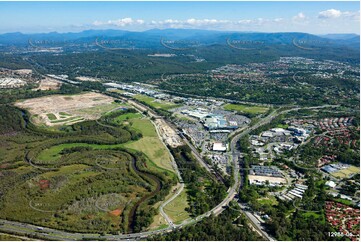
334	14
97	23
352	15
202	22
299	17
119	22
171	21
330	13
188	23
244	21
345	21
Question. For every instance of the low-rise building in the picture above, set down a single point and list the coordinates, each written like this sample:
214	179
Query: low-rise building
331	184
219	146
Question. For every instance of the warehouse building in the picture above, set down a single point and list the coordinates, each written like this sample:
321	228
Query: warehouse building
219	146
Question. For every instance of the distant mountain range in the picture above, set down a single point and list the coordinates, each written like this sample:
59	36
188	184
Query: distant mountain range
152	38
340	36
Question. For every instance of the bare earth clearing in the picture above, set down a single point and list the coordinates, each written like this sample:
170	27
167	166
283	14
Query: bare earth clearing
67	109
49	84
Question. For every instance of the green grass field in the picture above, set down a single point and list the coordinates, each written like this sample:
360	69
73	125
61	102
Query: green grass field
311	214
8	237
51	116
150	144
176	208
344	173
53	153
154	149
245	108
126	117
343	201
283	126
117	91
64	114
268	201
158	223
153	103
145	127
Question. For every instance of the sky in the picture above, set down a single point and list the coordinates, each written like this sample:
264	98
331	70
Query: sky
310	17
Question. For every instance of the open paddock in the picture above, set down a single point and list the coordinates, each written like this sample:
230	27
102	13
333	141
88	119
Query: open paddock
176	209
246	109
270	200
156	103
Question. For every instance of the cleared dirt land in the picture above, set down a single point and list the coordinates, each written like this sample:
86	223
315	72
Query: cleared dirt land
68	109
49	84
169	136
267	178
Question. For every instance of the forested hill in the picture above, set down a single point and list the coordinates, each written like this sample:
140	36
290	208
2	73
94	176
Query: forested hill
116	54
151	38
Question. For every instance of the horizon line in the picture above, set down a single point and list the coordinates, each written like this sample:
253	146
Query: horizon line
161	29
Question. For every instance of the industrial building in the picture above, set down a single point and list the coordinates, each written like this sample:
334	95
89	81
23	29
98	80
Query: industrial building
296	192
212	122
219	146
334	167
266	175
265	171
199	113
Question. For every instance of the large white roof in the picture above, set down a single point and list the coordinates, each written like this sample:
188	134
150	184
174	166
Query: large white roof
218	146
